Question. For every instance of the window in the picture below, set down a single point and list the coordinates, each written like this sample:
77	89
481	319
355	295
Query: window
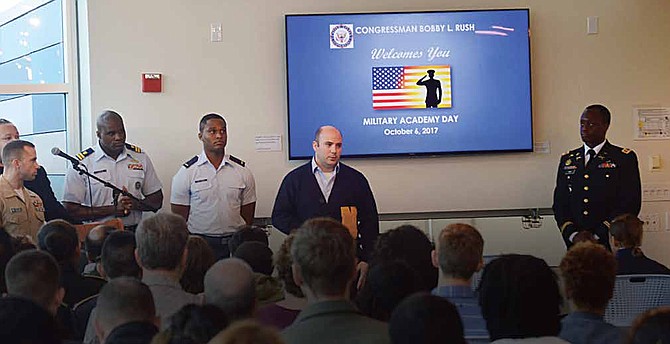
38	79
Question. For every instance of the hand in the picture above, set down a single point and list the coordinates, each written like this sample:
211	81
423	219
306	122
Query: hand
362	270
124	204
583	236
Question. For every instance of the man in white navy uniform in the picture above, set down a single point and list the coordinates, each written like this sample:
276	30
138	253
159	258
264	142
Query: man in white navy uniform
122	164
214	192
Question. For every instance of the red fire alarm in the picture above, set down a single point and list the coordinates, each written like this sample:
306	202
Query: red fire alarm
152	82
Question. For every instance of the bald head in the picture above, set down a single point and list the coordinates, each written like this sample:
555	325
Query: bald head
230	285
106	117
328	129
327	147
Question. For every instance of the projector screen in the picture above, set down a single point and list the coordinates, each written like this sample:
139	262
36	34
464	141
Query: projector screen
419	83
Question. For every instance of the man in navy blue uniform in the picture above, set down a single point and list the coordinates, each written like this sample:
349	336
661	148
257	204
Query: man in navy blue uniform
41	184
595	183
324	187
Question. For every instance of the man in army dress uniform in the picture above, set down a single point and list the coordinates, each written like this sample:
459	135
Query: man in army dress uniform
595	183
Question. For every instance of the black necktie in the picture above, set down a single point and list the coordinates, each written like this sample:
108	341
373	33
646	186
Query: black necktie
592	156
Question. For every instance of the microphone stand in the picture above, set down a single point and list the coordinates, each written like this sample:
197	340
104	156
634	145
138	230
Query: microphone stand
115	190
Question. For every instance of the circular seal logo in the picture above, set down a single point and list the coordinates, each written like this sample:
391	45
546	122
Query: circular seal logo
341	35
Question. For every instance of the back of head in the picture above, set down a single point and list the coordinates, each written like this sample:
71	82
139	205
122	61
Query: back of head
161	239
22	321
33	275
247	233
200	259
519	297
123	300
247	332
118	256
459	250
283	264
411	245
323	250
230	285
94	240
387	284
60	239
653	326
425	318
589	272
196	324
626	229
14	150
6	253
257	255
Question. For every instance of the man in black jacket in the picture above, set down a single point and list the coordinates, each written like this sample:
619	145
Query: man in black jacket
595	183
324	187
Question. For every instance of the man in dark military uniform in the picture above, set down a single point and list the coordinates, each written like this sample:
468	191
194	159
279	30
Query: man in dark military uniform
595	183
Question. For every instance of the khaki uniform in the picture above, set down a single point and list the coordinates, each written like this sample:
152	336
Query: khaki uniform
17	217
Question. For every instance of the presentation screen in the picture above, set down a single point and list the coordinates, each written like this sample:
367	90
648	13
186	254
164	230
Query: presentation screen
420	83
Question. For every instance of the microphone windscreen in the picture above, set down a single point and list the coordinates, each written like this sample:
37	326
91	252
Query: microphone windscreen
55	151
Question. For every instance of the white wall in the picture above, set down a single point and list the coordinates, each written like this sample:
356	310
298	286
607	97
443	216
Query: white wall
626	64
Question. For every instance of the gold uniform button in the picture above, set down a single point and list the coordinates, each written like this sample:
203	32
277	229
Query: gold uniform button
586	188
586	212
586	200
586	176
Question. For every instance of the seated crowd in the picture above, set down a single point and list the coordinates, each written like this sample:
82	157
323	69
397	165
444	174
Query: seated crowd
161	285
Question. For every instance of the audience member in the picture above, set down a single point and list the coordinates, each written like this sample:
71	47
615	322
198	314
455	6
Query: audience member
259	258
193	324
458	255
34	275
589	271
117	260
60	239
93	247
520	300
626	231
653	326
161	253
409	244
257	255
22	321
200	259
425	319
387	284
126	312
6	253
282	313
247	233
247	332
230	285
324	262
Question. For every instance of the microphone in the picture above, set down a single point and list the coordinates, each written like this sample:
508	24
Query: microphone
56	151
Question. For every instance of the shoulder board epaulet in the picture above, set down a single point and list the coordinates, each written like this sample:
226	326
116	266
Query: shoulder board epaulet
237	160
81	155
626	150
566	153
190	163
133	148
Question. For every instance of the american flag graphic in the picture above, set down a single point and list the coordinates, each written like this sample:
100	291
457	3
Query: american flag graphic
396	88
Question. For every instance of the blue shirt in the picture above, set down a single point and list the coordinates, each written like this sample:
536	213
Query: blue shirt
580	327
465	300
325	181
